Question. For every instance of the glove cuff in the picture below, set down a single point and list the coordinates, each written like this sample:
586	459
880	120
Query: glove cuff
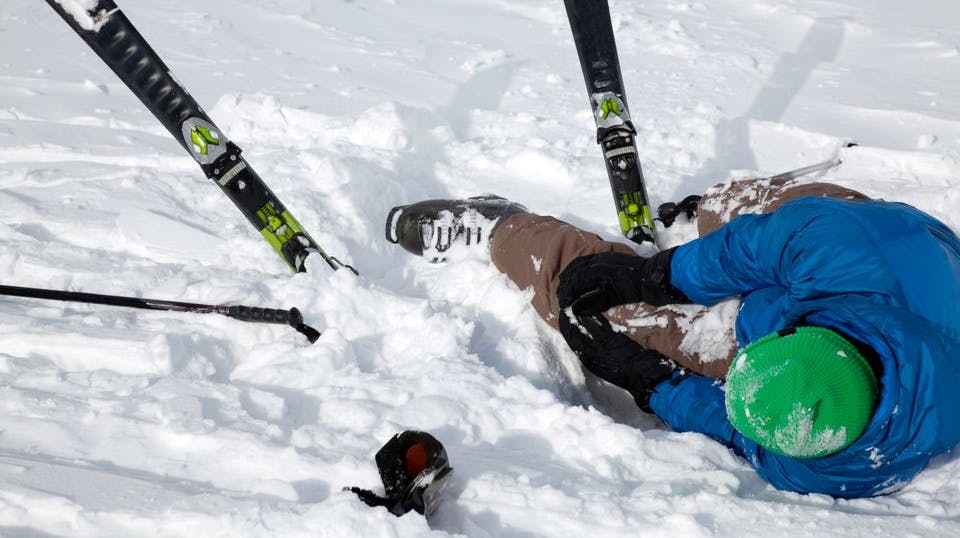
657	272
646	372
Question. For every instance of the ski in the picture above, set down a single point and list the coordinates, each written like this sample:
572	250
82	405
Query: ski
597	49
112	36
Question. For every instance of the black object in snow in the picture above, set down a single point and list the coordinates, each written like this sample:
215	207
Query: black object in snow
414	469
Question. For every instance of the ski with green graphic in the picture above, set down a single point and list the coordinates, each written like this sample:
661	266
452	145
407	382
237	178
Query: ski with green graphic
118	43
593	35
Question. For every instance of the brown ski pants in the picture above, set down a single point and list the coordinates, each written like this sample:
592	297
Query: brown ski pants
532	250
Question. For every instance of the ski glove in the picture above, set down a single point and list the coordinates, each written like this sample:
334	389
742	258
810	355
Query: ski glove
594	283
615	358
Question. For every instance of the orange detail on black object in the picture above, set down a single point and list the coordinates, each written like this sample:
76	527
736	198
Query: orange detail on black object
415	460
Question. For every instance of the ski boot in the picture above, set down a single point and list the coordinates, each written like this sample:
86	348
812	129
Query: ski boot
430	228
668	212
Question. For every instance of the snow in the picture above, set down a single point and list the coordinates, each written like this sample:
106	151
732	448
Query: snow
128	423
82	12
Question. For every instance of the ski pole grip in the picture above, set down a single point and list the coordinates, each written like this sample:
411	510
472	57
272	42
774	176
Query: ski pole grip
260	315
291	317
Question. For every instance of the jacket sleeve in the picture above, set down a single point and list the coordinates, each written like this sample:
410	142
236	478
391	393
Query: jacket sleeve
740	257
693	403
696	404
811	247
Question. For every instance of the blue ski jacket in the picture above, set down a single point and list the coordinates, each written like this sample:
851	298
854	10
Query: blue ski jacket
883	273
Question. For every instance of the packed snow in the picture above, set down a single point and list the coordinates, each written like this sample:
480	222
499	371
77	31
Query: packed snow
117	422
82	12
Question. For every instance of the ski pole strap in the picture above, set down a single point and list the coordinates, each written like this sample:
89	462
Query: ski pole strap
372	499
291	317
296	321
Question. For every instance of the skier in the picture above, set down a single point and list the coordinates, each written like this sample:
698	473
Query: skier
847	330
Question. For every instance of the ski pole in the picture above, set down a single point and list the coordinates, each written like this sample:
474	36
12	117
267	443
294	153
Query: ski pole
291	317
806	170
818	167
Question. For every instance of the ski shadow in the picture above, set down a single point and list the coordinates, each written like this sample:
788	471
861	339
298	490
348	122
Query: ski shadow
128	485
311	491
482	91
732	150
26	532
414	173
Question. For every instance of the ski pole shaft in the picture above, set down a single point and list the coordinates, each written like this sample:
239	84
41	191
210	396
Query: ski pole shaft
806	170
836	160
291	317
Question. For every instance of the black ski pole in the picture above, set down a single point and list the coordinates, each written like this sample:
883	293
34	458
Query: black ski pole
291	317
118	43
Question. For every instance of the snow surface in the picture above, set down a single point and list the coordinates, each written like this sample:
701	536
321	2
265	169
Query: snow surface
116	422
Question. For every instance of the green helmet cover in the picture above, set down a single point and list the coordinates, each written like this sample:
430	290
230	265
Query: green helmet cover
804	393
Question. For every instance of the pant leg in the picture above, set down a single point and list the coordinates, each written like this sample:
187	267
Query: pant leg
533	250
728	200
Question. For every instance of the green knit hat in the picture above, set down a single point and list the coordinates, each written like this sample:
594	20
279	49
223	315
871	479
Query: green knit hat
804	392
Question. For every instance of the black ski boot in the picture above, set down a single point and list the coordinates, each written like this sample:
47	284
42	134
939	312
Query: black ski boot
430	228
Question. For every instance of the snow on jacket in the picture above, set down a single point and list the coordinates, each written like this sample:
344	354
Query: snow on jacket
883	273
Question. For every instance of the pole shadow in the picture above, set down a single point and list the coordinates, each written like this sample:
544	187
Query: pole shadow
732	143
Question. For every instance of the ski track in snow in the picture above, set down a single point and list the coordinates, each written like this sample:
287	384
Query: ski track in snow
129	423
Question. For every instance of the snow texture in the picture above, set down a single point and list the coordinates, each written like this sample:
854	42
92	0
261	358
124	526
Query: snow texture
83	12
129	423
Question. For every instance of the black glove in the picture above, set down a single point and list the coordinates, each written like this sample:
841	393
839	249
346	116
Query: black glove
615	358
597	282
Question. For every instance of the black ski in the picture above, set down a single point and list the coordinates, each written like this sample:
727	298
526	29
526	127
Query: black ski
118	43
593	35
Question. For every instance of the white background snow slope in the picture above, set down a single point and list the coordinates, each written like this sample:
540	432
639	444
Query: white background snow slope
118	422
